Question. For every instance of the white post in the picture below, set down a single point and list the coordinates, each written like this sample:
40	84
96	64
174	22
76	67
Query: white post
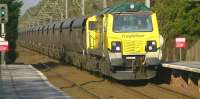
199	85
83	7
2	30
66	9
148	3
180	55
3	63
104	3
3	53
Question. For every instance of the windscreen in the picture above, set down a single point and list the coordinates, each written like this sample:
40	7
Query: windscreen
132	23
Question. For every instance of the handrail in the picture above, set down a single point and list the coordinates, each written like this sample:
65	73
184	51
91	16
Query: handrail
93	40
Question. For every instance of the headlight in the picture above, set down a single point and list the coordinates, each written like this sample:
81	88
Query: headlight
151	46
116	46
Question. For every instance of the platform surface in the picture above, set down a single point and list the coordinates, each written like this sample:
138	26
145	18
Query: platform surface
25	82
184	65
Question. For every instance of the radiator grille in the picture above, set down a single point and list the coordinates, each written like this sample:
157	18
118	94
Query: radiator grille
133	47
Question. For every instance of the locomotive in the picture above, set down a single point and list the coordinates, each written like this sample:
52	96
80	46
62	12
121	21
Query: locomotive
122	41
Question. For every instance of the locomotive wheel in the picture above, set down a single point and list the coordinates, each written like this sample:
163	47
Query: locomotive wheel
76	61
93	64
87	65
83	63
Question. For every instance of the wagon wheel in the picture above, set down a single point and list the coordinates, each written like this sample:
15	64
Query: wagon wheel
104	66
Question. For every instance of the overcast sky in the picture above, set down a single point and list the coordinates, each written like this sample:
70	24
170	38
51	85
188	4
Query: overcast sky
28	4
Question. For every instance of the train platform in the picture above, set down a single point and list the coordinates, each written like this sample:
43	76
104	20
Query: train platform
184	65
25	82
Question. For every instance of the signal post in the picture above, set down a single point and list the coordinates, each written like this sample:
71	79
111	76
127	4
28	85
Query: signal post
3	42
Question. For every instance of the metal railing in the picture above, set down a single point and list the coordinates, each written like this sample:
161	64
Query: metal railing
91	41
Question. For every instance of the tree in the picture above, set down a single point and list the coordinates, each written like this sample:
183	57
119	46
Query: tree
178	18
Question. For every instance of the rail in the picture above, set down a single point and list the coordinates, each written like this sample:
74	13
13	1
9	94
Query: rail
75	84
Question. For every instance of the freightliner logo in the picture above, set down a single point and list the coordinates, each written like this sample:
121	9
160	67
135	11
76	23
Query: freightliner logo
132	36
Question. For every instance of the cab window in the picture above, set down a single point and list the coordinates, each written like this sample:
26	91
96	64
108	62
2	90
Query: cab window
92	25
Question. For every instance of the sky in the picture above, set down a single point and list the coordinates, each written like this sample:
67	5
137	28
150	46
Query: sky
28	4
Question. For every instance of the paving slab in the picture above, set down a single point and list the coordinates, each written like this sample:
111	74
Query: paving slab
25	82
184	65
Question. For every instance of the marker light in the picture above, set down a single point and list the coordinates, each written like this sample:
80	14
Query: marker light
116	46
153	43
150	48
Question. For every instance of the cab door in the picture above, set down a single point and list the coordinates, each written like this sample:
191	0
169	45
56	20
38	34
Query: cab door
92	37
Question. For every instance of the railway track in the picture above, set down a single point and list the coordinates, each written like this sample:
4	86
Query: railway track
148	91
133	91
152	91
74	84
136	93
158	92
172	91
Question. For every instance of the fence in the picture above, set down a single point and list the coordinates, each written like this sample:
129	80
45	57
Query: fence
170	53
193	53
